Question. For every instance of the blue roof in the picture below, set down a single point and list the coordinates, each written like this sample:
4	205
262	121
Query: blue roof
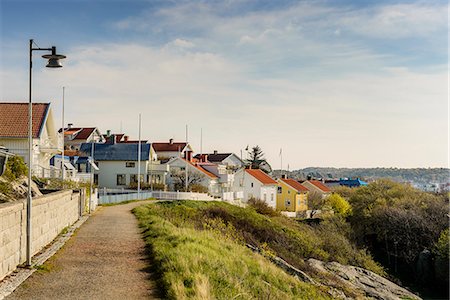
118	151
352	182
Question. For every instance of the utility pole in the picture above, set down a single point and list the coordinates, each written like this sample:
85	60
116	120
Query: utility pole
139	160
187	162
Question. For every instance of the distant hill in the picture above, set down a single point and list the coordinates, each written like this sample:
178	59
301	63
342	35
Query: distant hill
417	175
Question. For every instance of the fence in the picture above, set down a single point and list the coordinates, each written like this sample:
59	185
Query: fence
119	195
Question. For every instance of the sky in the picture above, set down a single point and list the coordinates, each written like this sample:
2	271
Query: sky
331	83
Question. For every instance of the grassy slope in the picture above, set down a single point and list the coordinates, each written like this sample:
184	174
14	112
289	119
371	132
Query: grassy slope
205	264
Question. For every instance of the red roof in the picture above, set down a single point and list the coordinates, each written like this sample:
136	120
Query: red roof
261	176
320	186
169	147
81	133
201	169
14	119
295	184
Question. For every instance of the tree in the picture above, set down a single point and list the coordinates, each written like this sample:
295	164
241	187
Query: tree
179	179
338	204
257	161
315	202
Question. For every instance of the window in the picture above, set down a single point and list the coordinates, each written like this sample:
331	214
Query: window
130	164
251	184
289	192
133	178
287	202
272	197
280	190
121	179
265	197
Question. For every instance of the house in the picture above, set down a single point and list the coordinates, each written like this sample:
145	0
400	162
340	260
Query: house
230	160
75	136
254	183
225	179
166	151
14	134
117	163
119	138
317	186
197	174
291	195
352	182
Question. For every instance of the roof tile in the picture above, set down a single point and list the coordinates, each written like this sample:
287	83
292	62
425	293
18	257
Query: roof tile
14	119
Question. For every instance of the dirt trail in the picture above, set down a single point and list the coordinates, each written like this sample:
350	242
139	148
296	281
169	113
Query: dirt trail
104	260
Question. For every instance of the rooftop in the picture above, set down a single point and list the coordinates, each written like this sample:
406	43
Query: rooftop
261	176
14	119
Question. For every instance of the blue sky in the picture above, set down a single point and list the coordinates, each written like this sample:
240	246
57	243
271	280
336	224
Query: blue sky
333	83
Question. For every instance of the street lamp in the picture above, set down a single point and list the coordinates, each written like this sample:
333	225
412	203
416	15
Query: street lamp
53	62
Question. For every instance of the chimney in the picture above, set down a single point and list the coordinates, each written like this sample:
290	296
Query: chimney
108	133
205	158
171	141
283	176
70	125
113	138
188	155
215	152
125	138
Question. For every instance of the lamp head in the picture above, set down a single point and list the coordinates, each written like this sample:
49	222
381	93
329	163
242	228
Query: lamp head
53	59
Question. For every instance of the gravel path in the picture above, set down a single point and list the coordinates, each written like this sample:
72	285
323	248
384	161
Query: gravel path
105	259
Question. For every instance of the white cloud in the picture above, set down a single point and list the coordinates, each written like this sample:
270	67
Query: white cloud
397	20
287	78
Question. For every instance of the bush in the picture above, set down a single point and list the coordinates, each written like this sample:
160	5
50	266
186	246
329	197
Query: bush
261	207
15	168
339	204
198	188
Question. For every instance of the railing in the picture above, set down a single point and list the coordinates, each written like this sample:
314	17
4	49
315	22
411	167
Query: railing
118	195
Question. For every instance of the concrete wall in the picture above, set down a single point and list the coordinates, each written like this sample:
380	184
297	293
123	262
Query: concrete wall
50	215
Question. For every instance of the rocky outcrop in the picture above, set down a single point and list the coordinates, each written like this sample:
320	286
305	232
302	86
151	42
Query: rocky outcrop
371	284
15	190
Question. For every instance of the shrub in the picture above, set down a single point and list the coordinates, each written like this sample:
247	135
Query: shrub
261	207
339	204
15	168
198	188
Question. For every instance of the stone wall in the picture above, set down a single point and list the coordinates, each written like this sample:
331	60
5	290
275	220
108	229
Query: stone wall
50	214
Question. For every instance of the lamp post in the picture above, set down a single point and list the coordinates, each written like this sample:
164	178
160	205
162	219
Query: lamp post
62	129
53	62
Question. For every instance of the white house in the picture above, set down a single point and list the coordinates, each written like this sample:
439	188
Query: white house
195	172
118	163
14	134
255	184
166	151
75	136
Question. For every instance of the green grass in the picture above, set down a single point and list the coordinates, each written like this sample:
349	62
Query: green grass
196	256
125	202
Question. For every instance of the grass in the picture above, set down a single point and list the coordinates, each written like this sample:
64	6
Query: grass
200	257
125	202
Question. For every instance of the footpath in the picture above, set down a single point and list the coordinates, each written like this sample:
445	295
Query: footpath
105	259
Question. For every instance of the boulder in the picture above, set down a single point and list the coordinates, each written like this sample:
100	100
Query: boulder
372	285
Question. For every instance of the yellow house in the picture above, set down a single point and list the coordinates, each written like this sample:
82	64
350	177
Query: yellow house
291	196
